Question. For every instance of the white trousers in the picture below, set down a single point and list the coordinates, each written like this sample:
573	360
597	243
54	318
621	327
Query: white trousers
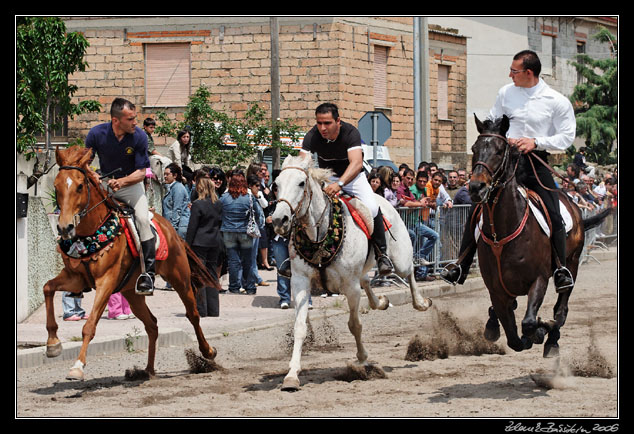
360	188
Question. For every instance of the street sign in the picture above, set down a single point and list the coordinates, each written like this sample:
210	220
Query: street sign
367	125
375	128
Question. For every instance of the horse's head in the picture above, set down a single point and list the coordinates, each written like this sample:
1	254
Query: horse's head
295	185
72	187
491	153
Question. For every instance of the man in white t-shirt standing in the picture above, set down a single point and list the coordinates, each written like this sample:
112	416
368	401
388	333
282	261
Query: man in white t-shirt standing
541	121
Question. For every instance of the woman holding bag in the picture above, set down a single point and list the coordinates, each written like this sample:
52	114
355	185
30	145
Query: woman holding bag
236	207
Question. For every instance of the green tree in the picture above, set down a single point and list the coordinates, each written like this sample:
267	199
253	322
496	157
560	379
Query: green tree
596	101
45	57
222	140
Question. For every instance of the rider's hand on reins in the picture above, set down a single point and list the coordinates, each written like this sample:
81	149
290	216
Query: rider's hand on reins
332	189
524	144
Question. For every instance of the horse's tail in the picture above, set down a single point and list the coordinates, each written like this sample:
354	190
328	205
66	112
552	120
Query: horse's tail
596	220
200	276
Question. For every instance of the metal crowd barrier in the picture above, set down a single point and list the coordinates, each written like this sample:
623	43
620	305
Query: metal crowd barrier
601	236
448	225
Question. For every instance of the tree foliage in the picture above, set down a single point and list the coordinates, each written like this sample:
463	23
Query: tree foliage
45	57
223	140
596	101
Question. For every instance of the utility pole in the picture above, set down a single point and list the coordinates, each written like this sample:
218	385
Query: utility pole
422	135
275	88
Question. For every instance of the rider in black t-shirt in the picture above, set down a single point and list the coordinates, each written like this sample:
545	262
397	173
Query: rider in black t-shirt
338	147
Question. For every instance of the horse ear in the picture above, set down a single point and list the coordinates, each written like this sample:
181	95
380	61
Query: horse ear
504	125
479	124
86	159
58	157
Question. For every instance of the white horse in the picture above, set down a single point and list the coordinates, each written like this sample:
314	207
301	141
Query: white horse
303	204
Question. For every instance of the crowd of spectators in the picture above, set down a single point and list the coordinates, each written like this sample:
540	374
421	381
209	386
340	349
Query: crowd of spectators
218	212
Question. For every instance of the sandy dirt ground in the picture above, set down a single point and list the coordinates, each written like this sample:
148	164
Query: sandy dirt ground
459	376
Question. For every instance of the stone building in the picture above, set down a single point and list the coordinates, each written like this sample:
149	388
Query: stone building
360	63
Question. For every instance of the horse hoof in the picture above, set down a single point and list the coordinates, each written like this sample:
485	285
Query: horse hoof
384	303
426	305
290	384
75	374
492	334
539	335
54	350
551	350
527	343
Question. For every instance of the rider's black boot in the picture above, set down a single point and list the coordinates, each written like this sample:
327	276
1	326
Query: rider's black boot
383	262
145	284
562	276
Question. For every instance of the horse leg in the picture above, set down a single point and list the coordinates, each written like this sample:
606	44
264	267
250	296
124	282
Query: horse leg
531	328
381	302
65	281
142	312
504	311
300	294
492	328
551	347
418	301
354	325
103	291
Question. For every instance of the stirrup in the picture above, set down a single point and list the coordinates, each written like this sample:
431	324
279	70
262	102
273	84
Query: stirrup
390	264
445	271
146	292
285	270
564	288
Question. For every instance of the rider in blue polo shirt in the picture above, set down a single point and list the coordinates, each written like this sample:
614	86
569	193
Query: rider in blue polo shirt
120	144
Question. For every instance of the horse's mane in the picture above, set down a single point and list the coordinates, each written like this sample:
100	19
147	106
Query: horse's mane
316	173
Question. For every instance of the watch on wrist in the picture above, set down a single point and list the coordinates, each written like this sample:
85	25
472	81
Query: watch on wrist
340	184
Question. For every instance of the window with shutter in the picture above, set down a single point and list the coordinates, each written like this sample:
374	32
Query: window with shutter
443	92
380	76
167	74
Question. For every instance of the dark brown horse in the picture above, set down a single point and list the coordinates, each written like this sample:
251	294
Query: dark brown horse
515	255
84	207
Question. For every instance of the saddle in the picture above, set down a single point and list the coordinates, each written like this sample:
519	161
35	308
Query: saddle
361	215
539	211
132	237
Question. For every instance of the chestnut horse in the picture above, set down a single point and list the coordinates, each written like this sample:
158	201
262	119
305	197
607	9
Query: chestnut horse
514	253
84	207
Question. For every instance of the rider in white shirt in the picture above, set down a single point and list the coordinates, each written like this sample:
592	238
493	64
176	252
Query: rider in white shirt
541	120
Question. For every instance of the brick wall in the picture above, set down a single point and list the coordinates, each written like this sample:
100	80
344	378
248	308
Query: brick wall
328	60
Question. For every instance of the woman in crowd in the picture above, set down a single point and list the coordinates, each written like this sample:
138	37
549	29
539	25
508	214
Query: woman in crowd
390	193
258	201
203	235
236	203
176	201
179	152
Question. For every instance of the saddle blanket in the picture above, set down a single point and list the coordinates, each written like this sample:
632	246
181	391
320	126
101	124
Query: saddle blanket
361	215
539	216
161	242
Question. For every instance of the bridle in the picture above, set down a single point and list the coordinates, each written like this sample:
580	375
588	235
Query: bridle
308	193
304	195
496	176
81	214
